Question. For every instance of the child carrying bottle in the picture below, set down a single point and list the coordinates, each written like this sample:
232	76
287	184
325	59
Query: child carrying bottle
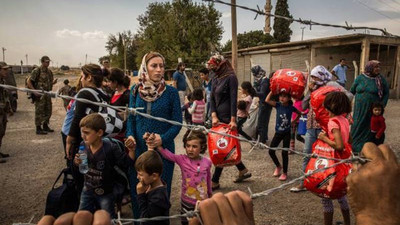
294	135
338	105
378	125
198	107
284	110
195	169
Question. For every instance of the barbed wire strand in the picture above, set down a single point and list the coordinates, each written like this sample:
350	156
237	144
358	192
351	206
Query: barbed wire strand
305	22
191	127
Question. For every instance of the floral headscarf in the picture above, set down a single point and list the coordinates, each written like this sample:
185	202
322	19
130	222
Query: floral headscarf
322	73
369	69
147	88
220	66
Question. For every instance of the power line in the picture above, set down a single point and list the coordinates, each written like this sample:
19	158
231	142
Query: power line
310	23
380	13
390	6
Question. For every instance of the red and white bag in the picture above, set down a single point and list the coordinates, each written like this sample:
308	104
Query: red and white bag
288	81
223	150
317	104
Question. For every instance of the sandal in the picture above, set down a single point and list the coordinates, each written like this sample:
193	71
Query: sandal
242	177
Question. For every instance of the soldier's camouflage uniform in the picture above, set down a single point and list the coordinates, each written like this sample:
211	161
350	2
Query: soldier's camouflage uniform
43	107
4	109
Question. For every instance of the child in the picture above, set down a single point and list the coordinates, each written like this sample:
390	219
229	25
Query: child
185	108
198	107
338	105
152	194
243	112
284	110
294	135
102	156
378	125
195	169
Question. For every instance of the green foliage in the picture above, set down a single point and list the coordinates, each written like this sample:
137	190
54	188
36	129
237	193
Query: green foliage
182	29
250	39
115	48
282	31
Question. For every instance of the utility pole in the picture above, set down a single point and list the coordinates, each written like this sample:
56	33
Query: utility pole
26	56
268	8
4	56
302	32
124	44
85	59
234	36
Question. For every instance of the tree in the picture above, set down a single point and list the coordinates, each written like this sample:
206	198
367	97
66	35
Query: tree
282	31
179	29
250	39
116	49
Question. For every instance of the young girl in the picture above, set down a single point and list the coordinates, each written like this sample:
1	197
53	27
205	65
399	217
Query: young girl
243	112
195	169
198	107
378	125
284	110
294	135
338	105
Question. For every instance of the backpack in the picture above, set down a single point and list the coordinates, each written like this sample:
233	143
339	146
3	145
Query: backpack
64	198
114	123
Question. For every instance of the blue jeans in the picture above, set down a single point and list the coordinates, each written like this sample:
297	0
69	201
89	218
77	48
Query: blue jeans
310	138
91	201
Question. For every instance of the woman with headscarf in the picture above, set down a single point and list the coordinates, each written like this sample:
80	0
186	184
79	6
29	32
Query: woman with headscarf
261	84
159	100
320	76
224	106
368	88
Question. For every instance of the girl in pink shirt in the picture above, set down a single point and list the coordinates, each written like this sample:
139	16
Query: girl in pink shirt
195	169
338	105
198	107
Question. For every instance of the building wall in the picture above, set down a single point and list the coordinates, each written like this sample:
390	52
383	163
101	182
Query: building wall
294	59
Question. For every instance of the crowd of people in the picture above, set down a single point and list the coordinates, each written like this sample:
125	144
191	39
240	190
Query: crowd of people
145	149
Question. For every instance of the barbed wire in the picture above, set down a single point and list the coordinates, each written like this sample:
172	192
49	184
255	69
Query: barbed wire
309	23
136	111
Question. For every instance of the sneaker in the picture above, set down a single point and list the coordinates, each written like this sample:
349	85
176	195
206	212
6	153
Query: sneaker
277	171
283	177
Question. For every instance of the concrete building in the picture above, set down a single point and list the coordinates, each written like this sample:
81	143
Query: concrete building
357	49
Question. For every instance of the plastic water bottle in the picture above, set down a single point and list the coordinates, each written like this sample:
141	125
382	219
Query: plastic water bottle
83	167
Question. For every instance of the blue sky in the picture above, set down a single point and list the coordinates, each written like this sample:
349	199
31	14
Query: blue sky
66	30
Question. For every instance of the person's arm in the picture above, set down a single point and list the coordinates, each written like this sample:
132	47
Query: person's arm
382	128
176	115
353	88
169	155
269	101
121	158
305	104
334	70
337	143
298	114
192	108
233	85
373	188
385	90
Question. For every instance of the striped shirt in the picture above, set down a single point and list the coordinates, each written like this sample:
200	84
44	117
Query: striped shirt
197	111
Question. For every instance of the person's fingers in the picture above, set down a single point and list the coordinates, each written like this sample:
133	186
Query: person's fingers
65	218
83	217
194	221
236	203
224	208
248	205
388	154
102	217
209	212
371	151
46	220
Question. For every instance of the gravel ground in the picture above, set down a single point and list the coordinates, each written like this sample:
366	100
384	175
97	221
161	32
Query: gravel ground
35	162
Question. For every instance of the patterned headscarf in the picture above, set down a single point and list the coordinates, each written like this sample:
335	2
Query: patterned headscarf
258	73
369	69
220	66
147	88
322	73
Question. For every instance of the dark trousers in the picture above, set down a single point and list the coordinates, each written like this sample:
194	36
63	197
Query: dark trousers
278	137
264	114
218	171
240	122
373	139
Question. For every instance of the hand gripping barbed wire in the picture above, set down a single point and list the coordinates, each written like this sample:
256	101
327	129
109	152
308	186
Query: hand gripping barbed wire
310	23
135	111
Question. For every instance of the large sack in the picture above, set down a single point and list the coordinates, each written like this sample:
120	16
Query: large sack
317	104
223	150
250	126
334	177
289	81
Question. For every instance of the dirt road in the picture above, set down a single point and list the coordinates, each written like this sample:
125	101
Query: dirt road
36	160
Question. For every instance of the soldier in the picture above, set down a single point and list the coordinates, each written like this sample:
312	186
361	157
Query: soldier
42	78
4	107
